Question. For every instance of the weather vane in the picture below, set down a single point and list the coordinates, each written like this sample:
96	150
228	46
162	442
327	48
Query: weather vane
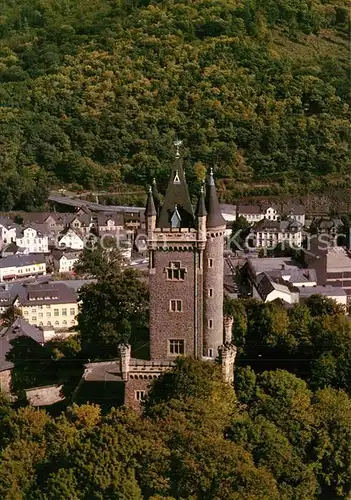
177	144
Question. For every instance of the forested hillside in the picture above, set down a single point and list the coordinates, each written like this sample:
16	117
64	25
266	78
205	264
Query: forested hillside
94	92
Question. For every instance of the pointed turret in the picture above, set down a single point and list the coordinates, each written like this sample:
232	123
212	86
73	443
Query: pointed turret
156	196
150	204
201	208
214	215
177	197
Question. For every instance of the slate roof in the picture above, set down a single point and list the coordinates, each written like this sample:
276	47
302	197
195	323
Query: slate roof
276	226
177	196
41	229
58	254
201	208
150	210
21	260
44	293
214	214
20	328
249	209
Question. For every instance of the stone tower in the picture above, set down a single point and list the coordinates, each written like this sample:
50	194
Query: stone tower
213	273
185	270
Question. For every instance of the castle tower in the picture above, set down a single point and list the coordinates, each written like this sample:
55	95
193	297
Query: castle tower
213	273
176	241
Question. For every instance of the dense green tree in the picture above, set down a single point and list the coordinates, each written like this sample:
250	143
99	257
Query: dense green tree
95	96
320	306
112	309
10	315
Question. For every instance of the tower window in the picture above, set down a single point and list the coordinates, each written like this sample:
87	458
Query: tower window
139	395
210	263
210	353
210	292
175	272
175	305
210	324
176	347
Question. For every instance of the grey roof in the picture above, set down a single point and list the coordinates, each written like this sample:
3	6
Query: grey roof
329	290
201	208
150	210
273	225
214	214
6	222
69	254
292	208
21	260
228	209
20	328
42	229
265	285
43	293
249	209
177	197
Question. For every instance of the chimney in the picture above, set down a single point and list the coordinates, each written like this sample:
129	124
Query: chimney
125	351
228	329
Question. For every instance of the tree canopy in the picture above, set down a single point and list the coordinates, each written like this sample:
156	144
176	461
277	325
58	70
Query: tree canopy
93	94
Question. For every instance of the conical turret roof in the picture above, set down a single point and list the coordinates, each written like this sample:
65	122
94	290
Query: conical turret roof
150	204
201	208
214	214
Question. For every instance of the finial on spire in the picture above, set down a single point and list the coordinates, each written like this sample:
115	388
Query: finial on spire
177	144
154	180
211	179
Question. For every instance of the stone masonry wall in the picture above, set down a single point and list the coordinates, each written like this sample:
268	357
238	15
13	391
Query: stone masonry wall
213	279
165	324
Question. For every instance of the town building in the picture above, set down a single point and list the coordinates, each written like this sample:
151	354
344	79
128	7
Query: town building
331	292
332	264
64	261
271	233
70	239
46	304
267	289
271	211
34	238
22	266
8	231
19	329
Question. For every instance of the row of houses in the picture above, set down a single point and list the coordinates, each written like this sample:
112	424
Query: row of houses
270	211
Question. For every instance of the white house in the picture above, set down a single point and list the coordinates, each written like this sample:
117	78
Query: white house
270	233
7	231
255	213
18	266
267	290
34	238
64	261
70	239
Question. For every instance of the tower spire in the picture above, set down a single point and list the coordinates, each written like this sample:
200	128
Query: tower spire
214	215
201	208
150	204
177	194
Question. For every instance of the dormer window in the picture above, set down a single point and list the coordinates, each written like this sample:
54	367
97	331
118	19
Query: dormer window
176	179
176	219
